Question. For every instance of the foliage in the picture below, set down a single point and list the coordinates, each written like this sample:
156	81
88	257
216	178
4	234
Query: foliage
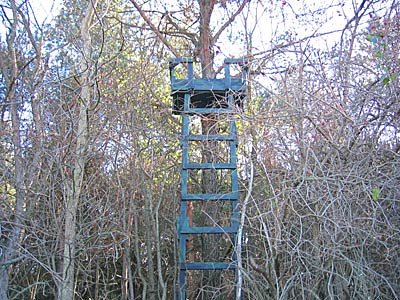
320	126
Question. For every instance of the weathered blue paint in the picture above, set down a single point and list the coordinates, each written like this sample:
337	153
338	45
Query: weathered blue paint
221	94
208	266
191	97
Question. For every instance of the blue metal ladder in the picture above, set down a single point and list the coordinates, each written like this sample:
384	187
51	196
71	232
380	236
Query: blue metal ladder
192	98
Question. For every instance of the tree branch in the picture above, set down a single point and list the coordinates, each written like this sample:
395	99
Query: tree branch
231	19
190	35
154	29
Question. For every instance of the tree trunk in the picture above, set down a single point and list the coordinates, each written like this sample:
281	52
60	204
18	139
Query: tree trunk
10	247
128	292
206	42
208	123
74	187
149	234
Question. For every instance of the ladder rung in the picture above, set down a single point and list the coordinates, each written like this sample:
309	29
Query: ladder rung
208	266
215	137
209	110
209	166
230	196
210	230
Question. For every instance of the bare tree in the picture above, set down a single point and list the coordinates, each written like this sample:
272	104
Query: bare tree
89	189
22	70
317	195
74	184
201	44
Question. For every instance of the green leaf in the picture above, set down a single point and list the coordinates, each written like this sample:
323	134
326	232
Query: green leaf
375	194
372	38
392	77
379	55
386	81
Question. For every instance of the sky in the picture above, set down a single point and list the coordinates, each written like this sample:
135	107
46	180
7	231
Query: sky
269	19
286	13
45	11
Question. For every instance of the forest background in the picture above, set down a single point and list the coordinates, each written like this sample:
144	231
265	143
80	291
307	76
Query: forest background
90	152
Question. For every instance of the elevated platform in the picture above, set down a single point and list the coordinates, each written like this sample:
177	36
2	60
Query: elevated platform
207	92
193	97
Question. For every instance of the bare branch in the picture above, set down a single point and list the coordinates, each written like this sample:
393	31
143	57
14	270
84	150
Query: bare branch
231	19
154	29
